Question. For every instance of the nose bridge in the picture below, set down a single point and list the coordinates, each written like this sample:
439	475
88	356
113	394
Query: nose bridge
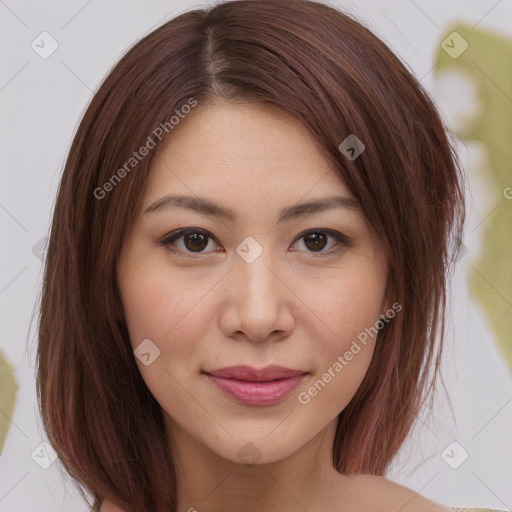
256	269
260	298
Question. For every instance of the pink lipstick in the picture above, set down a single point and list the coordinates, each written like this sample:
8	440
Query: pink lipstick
251	386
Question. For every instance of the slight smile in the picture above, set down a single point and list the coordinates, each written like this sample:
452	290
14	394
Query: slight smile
251	386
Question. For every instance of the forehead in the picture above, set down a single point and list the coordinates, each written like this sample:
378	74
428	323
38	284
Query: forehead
246	150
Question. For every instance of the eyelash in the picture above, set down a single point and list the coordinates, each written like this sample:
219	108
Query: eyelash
169	239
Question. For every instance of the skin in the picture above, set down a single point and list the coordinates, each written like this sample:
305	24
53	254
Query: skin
295	305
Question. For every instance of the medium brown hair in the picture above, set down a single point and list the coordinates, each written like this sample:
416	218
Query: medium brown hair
336	77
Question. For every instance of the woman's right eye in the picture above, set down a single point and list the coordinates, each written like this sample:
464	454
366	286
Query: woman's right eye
194	241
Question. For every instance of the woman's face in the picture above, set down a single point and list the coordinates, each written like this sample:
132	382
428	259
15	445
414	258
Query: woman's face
254	278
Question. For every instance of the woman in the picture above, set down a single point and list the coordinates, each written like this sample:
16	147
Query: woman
244	293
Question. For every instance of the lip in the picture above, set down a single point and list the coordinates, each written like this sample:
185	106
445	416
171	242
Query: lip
252	386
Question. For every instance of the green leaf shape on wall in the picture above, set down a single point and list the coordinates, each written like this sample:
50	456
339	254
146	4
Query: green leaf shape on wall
485	57
8	391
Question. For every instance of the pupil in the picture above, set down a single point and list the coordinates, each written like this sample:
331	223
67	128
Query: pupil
197	241
318	240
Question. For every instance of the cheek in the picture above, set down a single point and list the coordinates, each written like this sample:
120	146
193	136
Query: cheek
347	305
165	308
342	357
348	309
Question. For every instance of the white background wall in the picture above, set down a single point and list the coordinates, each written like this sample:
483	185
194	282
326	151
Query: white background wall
42	101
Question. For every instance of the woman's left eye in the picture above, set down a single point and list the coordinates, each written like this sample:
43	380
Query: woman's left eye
196	240
317	239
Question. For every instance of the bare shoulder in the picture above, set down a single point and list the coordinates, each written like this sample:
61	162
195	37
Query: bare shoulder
379	493
106	506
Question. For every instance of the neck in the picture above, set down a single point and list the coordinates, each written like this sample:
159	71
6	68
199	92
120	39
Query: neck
209	482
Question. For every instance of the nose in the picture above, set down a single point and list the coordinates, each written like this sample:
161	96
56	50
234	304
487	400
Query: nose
259	304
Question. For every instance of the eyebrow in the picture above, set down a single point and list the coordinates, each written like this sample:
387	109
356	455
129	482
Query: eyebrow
207	207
